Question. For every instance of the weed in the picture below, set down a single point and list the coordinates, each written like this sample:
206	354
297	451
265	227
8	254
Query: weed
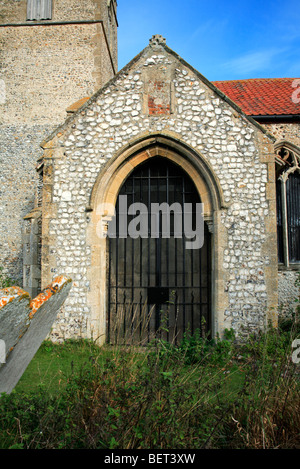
5	281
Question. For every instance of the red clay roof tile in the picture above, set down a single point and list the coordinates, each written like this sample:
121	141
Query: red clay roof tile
264	96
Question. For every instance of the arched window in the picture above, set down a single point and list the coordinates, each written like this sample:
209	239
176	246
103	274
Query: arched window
288	203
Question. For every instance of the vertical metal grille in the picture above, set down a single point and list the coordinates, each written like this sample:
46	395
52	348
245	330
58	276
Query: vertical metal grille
156	285
291	220
279	221
293	215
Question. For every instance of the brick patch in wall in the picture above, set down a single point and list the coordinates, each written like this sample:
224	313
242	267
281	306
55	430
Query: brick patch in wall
159	98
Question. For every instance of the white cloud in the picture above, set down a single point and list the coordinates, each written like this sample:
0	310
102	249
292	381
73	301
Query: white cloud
254	61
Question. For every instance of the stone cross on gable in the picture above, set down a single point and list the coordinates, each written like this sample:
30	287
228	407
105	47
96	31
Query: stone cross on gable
157	39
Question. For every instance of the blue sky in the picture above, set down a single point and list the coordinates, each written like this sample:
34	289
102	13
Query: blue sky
223	40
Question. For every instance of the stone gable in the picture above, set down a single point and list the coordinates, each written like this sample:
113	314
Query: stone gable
159	96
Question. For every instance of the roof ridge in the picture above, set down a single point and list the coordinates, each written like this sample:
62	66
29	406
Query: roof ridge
254	79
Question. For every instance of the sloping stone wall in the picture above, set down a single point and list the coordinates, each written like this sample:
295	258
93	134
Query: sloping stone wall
24	324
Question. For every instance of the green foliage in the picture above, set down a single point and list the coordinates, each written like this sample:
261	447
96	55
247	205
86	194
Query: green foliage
54	363
5	281
196	348
27	420
197	394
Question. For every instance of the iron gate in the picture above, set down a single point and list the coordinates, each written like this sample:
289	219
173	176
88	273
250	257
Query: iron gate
156	285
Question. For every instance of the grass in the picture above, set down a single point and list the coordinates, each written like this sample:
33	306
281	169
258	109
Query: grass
198	394
53	363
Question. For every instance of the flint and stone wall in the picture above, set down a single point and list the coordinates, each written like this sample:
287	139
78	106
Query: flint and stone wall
288	279
159	94
283	131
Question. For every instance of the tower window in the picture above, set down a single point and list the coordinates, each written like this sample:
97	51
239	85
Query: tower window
39	10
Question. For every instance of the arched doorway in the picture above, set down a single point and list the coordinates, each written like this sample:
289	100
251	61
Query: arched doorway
101	208
155	284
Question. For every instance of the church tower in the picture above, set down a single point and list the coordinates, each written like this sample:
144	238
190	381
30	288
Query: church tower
53	54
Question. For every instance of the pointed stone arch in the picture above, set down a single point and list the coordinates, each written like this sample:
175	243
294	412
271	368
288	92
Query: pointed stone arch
287	158
101	207
110	179
287	172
